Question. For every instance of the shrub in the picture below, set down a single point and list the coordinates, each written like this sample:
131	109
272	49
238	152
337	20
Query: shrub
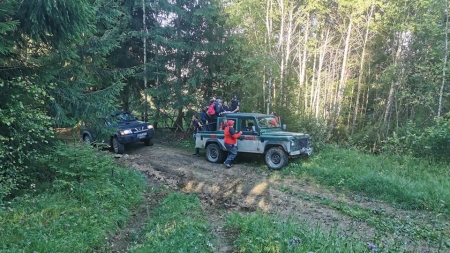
25	130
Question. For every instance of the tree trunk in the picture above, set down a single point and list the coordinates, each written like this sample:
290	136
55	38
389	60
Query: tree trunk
441	90
396	81
280	49
342	80
361	68
301	81
323	52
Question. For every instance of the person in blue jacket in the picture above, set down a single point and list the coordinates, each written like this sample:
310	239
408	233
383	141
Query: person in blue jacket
218	110
235	104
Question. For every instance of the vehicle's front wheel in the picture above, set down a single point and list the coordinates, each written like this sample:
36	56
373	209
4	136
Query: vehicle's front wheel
148	142
276	158
214	154
118	147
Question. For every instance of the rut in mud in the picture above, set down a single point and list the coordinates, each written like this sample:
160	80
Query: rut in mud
248	187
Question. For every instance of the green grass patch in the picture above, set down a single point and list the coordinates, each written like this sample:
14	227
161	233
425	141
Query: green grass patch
177	225
75	213
433	230
260	232
407	182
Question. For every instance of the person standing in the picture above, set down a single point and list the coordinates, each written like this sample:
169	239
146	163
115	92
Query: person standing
197	127
204	116
235	104
210	114
217	105
230	141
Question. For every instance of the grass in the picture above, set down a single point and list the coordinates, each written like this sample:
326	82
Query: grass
79	211
260	232
72	216
432	231
177	225
405	182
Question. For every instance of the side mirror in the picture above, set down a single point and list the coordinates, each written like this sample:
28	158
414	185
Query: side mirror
284	127
253	128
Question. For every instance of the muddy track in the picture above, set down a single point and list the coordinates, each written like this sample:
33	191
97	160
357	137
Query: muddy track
248	188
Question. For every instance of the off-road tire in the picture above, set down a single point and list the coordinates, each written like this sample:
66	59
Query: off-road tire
148	142
214	154
117	147
87	139
276	158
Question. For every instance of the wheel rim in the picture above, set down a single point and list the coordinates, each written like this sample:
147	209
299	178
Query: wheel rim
276	158
87	139
213	153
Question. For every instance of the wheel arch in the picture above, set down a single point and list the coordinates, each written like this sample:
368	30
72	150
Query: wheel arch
87	133
221	146
272	144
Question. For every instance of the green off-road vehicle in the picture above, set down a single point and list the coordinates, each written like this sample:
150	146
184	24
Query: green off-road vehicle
261	134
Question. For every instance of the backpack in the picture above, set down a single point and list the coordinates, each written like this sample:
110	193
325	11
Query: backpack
211	110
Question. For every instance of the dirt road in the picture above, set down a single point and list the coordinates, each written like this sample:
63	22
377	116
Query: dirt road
250	186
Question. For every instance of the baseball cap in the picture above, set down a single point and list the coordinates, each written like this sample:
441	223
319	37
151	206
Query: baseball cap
230	122
234	96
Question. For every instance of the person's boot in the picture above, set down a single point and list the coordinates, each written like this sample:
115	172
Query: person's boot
197	152
228	164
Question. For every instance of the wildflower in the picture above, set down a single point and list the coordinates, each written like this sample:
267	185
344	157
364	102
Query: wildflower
295	240
372	247
32	186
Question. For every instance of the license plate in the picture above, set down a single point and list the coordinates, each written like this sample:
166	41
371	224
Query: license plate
141	135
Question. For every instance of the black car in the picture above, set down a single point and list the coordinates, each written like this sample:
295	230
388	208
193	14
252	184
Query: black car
117	129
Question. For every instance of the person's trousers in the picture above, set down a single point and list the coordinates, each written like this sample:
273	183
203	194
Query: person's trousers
232	152
197	150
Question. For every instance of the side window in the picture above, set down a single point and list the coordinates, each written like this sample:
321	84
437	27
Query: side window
222	123
246	126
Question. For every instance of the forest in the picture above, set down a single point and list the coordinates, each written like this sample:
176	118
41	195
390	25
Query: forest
368	74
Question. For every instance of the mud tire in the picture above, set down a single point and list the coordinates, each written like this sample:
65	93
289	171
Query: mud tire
276	158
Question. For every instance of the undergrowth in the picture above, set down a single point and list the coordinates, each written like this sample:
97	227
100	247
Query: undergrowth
89	198
408	183
260	232
177	225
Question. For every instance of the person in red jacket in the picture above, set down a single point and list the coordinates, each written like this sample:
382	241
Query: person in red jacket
230	142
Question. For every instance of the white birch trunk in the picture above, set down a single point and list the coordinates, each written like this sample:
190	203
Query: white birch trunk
361	67
441	90
395	82
303	62
323	52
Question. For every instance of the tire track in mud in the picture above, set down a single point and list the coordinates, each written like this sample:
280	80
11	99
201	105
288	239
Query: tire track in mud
242	188
246	188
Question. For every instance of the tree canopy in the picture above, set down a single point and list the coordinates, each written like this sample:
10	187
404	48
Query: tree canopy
365	73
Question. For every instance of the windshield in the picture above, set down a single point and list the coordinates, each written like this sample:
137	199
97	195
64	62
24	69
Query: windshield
268	122
121	117
126	116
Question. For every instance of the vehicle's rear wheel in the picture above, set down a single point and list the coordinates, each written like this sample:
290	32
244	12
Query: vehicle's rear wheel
214	154
148	142
87	139
118	147
276	158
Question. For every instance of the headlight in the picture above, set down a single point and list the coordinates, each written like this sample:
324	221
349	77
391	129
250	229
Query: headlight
150	127
292	143
126	131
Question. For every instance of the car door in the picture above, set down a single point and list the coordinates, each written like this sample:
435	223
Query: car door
248	142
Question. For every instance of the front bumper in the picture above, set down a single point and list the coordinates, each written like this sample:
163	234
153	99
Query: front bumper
302	151
136	137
